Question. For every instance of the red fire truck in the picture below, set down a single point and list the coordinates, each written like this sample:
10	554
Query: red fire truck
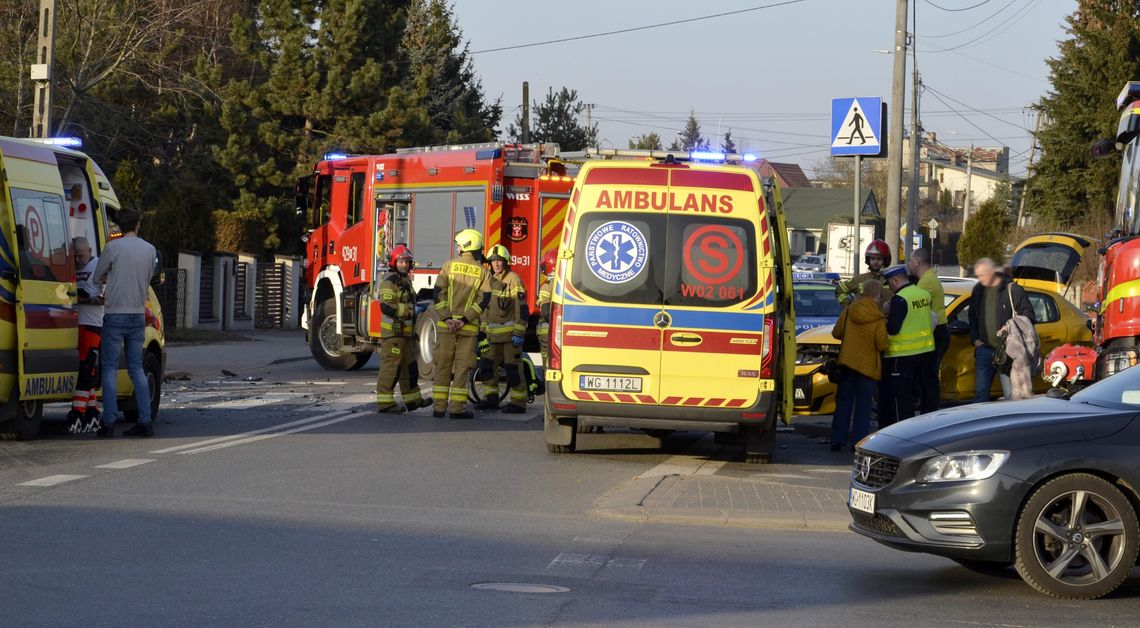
1117	328
360	206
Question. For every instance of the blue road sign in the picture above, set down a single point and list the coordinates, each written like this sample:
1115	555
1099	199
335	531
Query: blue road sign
856	126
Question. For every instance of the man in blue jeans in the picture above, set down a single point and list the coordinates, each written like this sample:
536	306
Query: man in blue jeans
993	301
125	267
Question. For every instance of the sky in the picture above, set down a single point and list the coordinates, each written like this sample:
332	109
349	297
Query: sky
769	75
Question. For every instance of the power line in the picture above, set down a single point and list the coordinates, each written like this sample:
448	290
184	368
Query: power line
1012	124
977	24
935	93
639	28
957	10
1007	24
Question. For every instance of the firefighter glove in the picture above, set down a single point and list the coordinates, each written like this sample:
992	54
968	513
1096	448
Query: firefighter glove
517	341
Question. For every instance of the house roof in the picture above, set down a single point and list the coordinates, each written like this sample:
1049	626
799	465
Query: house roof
975	171
811	208
789	175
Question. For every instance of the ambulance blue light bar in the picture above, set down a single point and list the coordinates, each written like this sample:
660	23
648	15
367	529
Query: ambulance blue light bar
749	157
66	142
814	276
706	155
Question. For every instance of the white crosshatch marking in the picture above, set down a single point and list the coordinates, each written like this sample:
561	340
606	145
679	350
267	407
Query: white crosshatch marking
53	480
126	463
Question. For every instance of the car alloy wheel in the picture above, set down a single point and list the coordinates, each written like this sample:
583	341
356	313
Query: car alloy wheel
1076	538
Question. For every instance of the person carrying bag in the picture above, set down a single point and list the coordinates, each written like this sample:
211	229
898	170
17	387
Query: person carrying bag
862	330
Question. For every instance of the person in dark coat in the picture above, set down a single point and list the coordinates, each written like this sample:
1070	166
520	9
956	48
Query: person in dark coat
993	302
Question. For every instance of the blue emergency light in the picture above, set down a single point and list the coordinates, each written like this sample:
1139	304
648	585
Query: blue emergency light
706	155
749	157
66	142
335	156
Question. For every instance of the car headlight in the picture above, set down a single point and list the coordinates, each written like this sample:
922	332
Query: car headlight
970	465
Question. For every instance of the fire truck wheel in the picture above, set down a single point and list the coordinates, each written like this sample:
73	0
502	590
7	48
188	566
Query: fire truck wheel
153	373
25	424
325	344
425	342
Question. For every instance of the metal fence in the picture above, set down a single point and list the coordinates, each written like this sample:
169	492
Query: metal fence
206	311
172	297
270	297
241	279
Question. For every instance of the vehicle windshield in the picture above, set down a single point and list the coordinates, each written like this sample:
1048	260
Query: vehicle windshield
1122	389
816	301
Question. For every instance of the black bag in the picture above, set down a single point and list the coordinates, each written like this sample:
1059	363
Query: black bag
835	371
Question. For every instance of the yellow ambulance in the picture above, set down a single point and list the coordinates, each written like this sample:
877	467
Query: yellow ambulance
50	195
672	305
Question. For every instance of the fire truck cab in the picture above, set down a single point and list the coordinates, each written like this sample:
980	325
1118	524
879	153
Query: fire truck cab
360	206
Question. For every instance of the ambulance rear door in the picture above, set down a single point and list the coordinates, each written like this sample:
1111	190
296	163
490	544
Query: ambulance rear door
715	290
612	305
47	321
783	315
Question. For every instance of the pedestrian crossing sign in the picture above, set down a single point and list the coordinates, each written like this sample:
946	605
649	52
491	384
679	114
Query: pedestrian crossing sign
856	126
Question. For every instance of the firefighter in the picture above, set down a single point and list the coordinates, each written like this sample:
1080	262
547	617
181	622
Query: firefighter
505	325
462	292
543	302
877	256
397	325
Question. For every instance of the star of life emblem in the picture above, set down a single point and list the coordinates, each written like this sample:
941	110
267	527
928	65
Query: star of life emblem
616	252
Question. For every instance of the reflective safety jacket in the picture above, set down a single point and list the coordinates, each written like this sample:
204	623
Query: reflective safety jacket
916	334
397	307
543	303
846	291
506	315
463	290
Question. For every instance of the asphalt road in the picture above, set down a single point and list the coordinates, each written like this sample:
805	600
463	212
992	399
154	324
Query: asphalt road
285	501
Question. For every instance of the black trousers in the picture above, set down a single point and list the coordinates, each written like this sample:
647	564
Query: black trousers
897	388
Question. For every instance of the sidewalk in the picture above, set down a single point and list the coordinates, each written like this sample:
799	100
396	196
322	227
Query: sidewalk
244	358
700	489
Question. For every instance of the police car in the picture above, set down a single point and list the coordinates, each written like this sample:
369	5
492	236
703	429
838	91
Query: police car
816	303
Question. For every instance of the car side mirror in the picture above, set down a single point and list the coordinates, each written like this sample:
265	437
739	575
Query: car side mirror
1103	149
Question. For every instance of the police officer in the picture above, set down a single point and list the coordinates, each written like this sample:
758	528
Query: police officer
505	325
462	292
397	326
543	303
910	349
877	256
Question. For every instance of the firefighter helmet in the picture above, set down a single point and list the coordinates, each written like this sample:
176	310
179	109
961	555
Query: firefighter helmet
469	240
880	248
548	262
499	252
401	251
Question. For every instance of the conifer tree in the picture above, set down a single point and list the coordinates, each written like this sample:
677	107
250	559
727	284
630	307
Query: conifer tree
1088	73
649	141
728	145
557	119
986	229
690	137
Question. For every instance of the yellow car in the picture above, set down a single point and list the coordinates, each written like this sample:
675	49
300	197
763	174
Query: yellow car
1057	322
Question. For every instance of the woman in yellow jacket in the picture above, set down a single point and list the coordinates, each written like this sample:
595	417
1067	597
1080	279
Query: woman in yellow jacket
862	328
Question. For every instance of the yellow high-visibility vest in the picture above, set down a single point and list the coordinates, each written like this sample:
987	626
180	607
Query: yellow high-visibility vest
916	334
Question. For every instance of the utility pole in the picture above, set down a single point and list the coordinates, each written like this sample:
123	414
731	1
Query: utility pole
526	113
41	70
894	150
915	143
969	173
1029	167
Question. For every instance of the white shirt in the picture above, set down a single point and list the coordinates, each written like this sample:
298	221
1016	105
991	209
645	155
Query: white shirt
89	314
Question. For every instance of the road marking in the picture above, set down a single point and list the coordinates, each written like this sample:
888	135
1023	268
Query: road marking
710	467
254	439
126	463
254	402
845	471
264	430
52	480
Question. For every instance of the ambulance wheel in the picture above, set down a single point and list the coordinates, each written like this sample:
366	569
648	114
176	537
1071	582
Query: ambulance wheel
425	343
25	424
153	373
326	345
561	434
